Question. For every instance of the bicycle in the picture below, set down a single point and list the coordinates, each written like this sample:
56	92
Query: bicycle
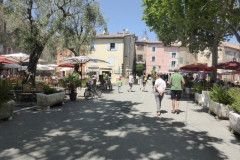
92	91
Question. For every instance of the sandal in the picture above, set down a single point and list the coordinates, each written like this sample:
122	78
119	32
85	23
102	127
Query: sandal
177	111
158	113
173	112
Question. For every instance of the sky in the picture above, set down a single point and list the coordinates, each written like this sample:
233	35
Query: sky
127	14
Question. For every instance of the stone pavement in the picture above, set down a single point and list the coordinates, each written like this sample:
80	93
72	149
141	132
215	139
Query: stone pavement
118	126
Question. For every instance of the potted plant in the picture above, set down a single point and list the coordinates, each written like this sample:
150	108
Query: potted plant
234	114
50	97
71	83
6	102
220	100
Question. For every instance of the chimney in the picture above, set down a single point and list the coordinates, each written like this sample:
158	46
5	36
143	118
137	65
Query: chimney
123	31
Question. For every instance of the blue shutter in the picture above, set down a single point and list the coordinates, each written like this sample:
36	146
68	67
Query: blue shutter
116	46
94	47
111	61
176	54
108	46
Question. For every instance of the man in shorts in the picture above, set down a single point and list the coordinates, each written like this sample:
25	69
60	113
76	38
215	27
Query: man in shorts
176	81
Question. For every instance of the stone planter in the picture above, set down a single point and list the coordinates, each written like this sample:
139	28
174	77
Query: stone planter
213	107
205	98
187	91
6	110
80	91
234	119
44	100
221	110
200	99
196	97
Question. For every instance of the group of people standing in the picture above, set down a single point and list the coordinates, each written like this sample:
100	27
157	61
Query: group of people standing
159	85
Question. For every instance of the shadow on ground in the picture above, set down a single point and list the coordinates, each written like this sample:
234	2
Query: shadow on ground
101	129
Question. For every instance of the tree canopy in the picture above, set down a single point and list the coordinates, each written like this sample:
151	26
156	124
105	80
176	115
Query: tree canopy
39	24
197	24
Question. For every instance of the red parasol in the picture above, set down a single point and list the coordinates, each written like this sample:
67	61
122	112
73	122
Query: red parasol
198	67
2	60
232	65
68	65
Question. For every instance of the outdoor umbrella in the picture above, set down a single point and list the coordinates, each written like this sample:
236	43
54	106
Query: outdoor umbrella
231	65
80	60
66	65
42	67
198	67
2	60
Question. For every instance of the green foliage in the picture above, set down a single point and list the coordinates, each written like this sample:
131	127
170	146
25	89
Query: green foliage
140	69
188	83
84	81
49	90
198	87
234	93
72	81
218	94
5	88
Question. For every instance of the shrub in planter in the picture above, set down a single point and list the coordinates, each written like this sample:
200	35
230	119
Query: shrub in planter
49	90
198	87
6	106
218	94
234	93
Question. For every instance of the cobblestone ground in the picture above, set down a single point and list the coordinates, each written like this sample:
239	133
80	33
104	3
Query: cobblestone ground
118	126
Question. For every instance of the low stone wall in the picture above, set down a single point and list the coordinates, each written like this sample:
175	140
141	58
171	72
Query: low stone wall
219	109
234	119
44	100
6	109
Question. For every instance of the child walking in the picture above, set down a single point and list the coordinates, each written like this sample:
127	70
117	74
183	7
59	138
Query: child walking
119	84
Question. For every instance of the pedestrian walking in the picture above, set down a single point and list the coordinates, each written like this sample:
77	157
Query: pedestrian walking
159	87
130	82
176	81
119	84
144	81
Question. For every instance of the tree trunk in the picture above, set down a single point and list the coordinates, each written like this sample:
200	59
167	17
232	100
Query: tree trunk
30	73
214	59
76	67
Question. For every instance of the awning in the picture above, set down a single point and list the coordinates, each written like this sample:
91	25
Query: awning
108	69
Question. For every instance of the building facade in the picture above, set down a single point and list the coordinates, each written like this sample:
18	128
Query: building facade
116	49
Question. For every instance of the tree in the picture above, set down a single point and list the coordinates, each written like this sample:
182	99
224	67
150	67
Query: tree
140	68
79	30
198	24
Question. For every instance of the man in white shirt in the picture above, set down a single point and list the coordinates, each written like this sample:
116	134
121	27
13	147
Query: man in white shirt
130	82
160	86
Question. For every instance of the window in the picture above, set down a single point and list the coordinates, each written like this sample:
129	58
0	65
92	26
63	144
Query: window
140	58
94	63
181	60
111	61
174	55
153	49
154	68
173	64
153	58
140	47
112	46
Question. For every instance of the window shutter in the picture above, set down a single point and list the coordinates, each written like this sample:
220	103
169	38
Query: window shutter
170	64
116	46
176	54
94	47
111	61
108	46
